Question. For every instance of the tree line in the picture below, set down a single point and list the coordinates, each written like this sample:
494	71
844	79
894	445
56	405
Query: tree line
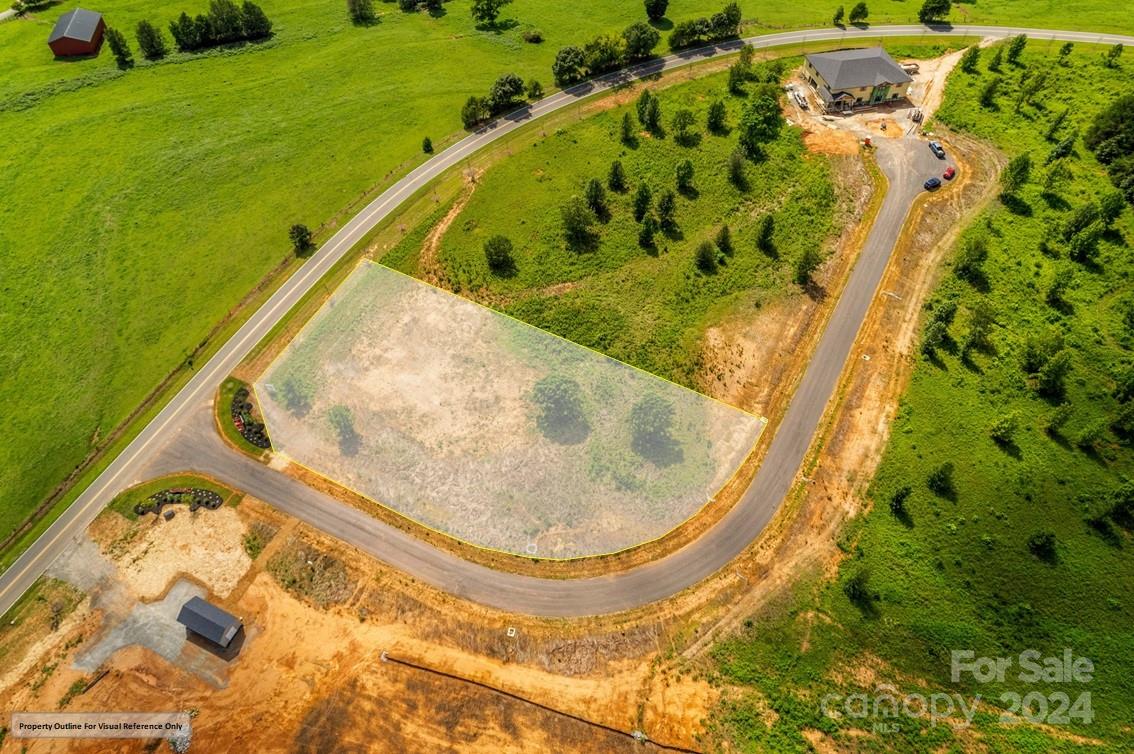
506	92
225	23
655	210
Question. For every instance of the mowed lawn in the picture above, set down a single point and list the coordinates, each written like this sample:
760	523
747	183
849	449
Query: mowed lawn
646	306
139	207
955	571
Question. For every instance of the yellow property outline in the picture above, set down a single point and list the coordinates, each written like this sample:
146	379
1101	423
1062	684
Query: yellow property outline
485	548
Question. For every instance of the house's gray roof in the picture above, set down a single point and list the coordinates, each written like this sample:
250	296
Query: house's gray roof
76	24
848	69
209	621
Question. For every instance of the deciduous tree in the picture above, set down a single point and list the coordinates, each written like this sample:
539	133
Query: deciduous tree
760	123
655	9
569	66
934	10
487	11
300	238
641	39
858	13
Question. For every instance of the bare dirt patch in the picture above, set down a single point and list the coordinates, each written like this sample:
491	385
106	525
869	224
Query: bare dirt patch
204	543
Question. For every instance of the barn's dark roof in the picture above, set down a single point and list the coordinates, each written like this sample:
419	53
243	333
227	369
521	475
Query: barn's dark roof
76	24
209	621
849	69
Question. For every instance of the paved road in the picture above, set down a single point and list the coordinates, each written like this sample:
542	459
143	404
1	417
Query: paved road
544	597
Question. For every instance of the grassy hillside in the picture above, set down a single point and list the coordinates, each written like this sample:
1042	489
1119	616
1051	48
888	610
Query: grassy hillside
140	206
965	565
645	306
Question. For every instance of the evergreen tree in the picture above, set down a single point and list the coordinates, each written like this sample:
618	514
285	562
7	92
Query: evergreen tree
119	47
150	41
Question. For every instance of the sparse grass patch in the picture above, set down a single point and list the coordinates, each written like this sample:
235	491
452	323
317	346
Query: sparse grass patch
1028	549
311	574
642	299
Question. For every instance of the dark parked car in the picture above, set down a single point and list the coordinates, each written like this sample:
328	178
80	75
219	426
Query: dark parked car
937	149
933	183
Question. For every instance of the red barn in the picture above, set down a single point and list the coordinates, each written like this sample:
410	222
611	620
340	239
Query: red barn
77	32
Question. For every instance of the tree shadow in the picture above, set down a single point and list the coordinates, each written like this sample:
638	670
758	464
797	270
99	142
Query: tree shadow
350	443
815	291
662	24
1010	447
1055	201
498	26
583	243
689	192
1014	204
672	231
688	139
1101	527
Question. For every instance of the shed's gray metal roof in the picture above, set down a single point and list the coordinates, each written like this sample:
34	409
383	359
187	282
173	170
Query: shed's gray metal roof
76	24
848	69
208	620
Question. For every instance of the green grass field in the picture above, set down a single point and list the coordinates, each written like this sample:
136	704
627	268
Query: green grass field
139	207
648	307
956	571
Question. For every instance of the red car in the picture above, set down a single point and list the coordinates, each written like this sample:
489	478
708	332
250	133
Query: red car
950	172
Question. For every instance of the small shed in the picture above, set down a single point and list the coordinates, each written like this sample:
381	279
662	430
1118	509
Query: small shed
209	621
77	32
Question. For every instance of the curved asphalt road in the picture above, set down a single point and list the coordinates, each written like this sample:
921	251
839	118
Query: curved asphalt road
158	441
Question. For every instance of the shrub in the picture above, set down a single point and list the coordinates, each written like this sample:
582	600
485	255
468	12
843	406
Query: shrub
642	199
940	480
857	589
1042	545
685	176
765	232
647	232
706	257
498	254
596	196
361	11
667	209
427	145
715	121
1003	430
724	240
738	170
616	179
532	36
898	500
